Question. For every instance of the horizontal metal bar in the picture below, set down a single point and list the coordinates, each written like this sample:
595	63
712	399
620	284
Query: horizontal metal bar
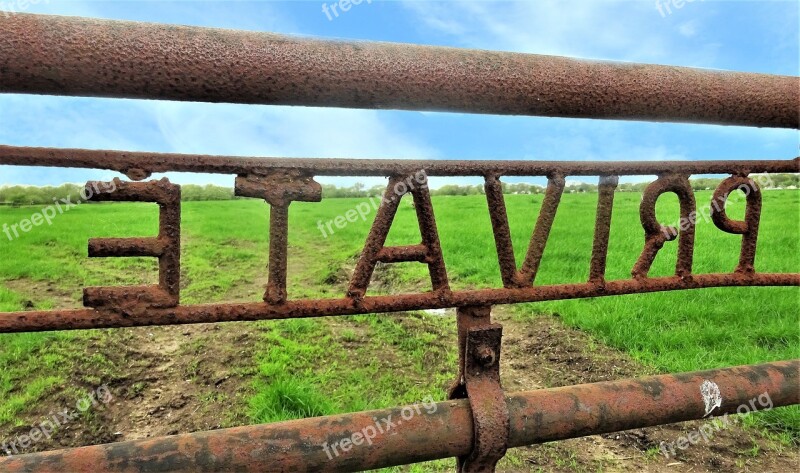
401	254
34	321
103	58
125	162
432	431
125	247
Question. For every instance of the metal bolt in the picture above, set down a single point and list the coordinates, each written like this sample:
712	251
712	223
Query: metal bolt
485	355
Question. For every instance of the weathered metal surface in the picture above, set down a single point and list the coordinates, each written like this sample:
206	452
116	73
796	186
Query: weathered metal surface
602	228
90	57
541	232
281	181
143	164
467	318
478	380
138	300
35	321
656	234
502	233
279	188
490	418
645	402
747	228
428	252
505	248
446	431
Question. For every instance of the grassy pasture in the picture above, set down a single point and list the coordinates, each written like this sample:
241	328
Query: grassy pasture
225	249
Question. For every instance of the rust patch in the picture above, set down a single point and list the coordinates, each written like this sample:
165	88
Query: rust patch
428	252
656	234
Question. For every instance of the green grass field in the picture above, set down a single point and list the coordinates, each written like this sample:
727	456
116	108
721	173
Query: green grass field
296	374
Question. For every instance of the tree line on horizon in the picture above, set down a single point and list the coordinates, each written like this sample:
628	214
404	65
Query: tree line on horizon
34	195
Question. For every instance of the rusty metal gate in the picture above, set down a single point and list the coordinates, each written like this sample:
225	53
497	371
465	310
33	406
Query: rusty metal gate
83	57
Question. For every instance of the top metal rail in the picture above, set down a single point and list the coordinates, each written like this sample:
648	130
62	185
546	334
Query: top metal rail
102	58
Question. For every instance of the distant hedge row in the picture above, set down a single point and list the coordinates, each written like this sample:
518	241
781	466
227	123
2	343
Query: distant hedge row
30	195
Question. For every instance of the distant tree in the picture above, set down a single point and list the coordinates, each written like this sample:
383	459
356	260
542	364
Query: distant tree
33	195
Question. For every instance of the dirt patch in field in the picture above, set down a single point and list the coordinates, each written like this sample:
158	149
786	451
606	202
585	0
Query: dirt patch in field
386	278
163	380
180	378
44	292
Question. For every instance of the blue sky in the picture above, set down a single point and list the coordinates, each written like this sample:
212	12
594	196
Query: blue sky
757	36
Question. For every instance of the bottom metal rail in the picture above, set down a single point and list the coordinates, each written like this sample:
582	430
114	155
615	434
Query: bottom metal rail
420	432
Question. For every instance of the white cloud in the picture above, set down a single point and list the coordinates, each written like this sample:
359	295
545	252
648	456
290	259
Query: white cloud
302	132
283	131
196	128
257	16
688	28
616	30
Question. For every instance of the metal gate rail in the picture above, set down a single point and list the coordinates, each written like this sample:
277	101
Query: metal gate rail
103	58
134	309
444	430
84	57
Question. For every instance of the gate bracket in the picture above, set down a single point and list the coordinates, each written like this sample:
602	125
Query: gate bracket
479	381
